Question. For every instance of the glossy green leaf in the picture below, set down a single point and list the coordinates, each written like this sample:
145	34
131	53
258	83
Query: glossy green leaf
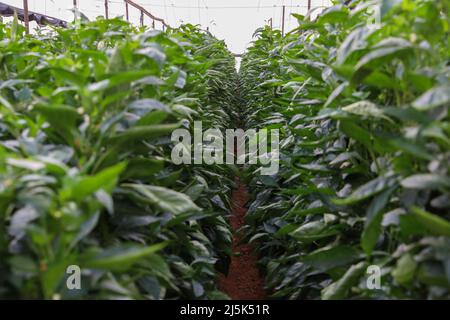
120	257
163	198
340	288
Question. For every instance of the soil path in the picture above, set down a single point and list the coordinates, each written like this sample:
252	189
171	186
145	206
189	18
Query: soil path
243	281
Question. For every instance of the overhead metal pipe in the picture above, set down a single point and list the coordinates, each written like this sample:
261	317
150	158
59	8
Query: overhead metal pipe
106	9
26	17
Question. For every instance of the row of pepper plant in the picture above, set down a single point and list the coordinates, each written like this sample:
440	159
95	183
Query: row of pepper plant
362	104
86	177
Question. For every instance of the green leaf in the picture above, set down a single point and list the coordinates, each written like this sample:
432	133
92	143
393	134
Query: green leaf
432	273
372	227
139	133
405	269
78	189
366	109
153	53
152	118
381	80
53	275
356	132
410	147
27	164
286	229
407	114
125	77
120	257
86	228
356	40
339	289
369	189
336	92
434	224
329	258
197	289
425	181
433	98
23	264
314	230
143	168
64	75
410	226
163	198
389	47
387	5
148	105
62	118
335	14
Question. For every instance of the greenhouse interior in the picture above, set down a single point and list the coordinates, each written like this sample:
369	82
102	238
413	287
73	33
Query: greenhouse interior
215	150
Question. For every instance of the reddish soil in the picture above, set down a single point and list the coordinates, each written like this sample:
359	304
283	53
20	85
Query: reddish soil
244	281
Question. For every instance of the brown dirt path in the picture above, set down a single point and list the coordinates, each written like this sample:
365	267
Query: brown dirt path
243	281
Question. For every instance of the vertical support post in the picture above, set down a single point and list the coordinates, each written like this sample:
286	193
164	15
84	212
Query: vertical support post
309	5
142	18
106	10
271	23
75	4
153	24
282	23
127	14
26	16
